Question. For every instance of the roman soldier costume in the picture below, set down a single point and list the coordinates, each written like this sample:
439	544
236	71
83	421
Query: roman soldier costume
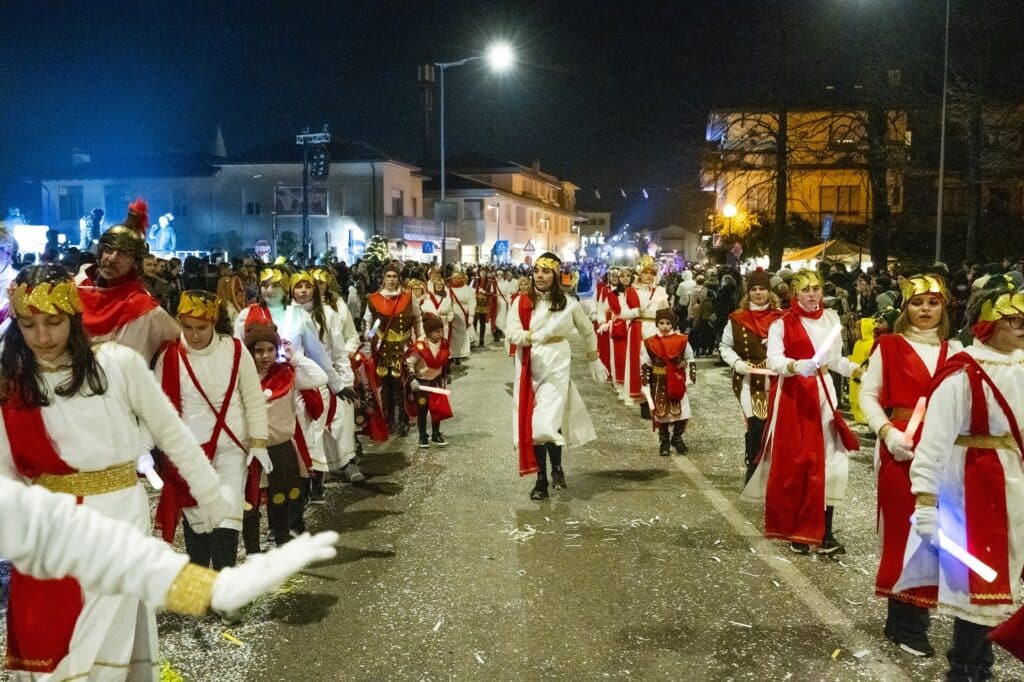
666	360
427	368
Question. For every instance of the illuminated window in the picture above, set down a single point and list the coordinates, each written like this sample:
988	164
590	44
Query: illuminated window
840	200
397	202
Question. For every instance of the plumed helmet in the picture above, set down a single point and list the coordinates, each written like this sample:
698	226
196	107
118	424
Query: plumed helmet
129	236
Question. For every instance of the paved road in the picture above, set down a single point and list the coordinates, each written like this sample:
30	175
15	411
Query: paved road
646	568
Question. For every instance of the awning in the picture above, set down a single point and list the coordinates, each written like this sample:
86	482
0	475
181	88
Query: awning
833	248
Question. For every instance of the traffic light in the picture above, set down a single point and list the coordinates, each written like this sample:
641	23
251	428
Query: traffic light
319	162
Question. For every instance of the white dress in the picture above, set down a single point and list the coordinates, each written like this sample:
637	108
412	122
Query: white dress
442	309
938	468
506	288
332	446
246	416
559	414
92	433
462	322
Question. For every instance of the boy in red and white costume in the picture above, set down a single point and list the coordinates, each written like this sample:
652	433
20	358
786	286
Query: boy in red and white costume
427	364
666	360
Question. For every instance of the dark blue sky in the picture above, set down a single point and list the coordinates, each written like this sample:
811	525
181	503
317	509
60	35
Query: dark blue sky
606	93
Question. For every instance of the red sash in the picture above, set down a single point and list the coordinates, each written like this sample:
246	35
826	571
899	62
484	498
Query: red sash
527	461
635	338
175	495
439	406
370	418
670	349
41	614
456	301
985	517
105	309
757	321
906	378
795	494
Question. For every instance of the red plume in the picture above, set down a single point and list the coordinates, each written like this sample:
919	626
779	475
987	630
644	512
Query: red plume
141	212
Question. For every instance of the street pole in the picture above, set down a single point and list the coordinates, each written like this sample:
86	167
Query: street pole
305	199
942	143
444	219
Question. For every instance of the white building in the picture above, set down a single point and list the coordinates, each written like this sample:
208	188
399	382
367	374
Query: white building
230	204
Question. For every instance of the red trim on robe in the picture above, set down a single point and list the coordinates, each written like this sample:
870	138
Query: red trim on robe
105	309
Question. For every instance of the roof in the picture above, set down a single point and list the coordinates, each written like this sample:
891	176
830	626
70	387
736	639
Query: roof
341	151
454	182
162	166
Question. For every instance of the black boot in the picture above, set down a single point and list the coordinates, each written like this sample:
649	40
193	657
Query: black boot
558	478
540	489
829	543
970	656
910	629
677	438
645	411
664	450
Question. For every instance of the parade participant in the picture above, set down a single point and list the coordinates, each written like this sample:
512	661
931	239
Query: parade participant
602	316
212	383
427	365
548	412
967	478
803	470
8	247
743	348
331	435
330	290
464	308
231	291
437	302
115	303
396	317
665	360
899	373
618	329
281	381
629	313
485	305
55	384
506	288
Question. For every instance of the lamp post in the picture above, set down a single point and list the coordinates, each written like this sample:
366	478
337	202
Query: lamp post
497	222
942	141
501	57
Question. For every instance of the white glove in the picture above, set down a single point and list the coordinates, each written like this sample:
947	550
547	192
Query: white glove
925	521
538	338
602	328
805	368
213	507
597	371
414	385
262	456
894	441
260	573
741	368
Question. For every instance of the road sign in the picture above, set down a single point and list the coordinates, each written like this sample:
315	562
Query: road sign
826	226
262	248
428	247
313	138
529	248
500	246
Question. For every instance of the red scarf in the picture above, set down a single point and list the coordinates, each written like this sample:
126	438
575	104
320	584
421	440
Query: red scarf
107	308
389	306
41	614
527	460
985	518
798	310
757	321
635	338
670	348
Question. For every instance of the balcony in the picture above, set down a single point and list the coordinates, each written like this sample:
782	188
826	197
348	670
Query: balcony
418	229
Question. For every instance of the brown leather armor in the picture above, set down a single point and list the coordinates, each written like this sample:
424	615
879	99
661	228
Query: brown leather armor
751	349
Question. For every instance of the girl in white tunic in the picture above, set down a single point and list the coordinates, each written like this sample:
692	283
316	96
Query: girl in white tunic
548	412
464	308
438	303
74	417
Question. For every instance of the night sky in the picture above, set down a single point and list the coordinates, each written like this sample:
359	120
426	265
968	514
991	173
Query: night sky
606	94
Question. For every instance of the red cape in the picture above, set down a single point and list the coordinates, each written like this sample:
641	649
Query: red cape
106	308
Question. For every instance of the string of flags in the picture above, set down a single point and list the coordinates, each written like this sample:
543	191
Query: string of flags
626	192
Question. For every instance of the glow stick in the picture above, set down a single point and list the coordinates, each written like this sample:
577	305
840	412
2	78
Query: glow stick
439	391
984	571
145	467
373	330
761	370
915	421
646	390
827	345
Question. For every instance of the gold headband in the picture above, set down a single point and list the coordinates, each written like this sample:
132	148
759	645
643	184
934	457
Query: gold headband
322	275
48	298
415	283
923	284
301	276
548	263
805	278
647	264
274	276
199	306
1007	305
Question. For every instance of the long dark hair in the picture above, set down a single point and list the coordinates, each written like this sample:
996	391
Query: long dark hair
556	295
19	369
317	313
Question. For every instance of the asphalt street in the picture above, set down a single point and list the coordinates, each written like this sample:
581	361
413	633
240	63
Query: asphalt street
645	568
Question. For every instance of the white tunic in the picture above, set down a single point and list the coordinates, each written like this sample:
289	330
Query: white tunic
652	299
559	414
462	323
506	288
442	309
332	446
938	468
685	412
246	416
95	432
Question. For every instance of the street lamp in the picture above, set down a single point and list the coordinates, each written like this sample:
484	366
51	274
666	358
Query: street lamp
942	142
500	57
497	222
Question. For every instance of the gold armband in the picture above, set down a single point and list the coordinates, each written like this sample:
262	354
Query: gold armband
884	431
258	443
925	500
191	591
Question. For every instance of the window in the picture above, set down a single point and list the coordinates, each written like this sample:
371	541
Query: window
474	209
759	200
72	203
415	207
521	216
253	208
355	200
840	200
397	202
179	203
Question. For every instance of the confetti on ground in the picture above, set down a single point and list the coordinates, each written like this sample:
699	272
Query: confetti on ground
741	625
835	654
717	560
479	658
438	625
231	638
861	654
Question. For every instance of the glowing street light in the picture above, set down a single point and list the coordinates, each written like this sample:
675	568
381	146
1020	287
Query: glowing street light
729	210
500	56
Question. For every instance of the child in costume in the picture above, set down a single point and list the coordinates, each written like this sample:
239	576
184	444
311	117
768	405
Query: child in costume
665	359
427	364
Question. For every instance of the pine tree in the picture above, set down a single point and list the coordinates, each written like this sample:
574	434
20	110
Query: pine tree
377	251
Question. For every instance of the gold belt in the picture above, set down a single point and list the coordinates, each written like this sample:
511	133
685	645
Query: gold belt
554	339
85	483
657	370
1004	441
902	413
646	317
396	337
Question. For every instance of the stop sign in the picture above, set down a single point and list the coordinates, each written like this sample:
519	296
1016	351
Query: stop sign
262	248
